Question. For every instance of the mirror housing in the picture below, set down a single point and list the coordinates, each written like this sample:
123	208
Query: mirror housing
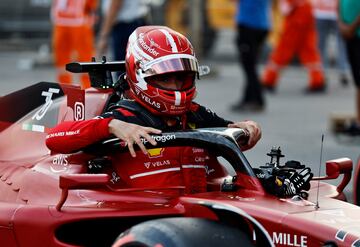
79	181
336	167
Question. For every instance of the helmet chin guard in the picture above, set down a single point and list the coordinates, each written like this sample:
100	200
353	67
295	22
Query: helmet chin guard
154	51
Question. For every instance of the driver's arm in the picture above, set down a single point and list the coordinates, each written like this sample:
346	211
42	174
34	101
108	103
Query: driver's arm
71	136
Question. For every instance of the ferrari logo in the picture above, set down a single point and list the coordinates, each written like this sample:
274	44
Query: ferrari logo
155	152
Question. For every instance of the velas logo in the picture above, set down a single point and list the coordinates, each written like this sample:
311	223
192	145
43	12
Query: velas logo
147	164
150	101
158	163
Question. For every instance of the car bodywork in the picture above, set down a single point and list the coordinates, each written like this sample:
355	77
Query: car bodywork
51	199
356	185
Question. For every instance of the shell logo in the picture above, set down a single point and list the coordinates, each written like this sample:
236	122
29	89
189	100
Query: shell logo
155	152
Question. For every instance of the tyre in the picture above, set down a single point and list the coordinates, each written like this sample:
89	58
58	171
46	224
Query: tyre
182	232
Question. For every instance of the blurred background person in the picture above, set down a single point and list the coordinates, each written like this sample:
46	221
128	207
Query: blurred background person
120	19
253	24
299	37
326	21
73	35
349	24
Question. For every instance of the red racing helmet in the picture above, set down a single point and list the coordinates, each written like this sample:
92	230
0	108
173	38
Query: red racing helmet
160	52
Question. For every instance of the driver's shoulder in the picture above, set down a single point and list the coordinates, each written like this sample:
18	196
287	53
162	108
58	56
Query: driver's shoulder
131	111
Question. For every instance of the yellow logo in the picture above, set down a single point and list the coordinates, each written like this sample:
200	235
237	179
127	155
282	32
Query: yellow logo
278	182
155	152
192	125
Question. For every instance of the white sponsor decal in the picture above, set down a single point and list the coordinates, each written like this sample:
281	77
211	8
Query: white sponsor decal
163	138
153	43
150	101
55	134
62	133
114	178
48	102
60	163
289	239
145	46
209	170
193	166
147	164
70	133
144	174
200	159
197	150
157	163
79	111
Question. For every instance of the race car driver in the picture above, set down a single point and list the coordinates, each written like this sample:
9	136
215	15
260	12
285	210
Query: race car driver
161	69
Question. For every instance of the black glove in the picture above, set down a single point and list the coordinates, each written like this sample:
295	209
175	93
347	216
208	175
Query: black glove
284	182
293	182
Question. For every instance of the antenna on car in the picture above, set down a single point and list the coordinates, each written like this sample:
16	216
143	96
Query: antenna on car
318	188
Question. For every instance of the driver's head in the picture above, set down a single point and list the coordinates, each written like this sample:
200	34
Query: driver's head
161	68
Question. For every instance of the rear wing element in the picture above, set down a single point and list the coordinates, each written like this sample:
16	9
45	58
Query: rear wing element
99	72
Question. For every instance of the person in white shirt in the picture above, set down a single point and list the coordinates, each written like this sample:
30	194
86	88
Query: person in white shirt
120	19
325	12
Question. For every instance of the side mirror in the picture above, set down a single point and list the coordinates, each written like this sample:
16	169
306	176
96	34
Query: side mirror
204	70
79	181
336	167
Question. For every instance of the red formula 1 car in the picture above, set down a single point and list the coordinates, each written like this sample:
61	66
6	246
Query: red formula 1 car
51	199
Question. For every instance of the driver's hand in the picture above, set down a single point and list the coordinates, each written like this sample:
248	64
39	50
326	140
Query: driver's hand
252	128
132	134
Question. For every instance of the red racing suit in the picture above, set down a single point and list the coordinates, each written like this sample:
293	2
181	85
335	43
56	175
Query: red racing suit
172	166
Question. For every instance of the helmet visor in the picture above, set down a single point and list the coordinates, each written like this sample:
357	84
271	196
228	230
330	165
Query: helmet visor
171	64
178	81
